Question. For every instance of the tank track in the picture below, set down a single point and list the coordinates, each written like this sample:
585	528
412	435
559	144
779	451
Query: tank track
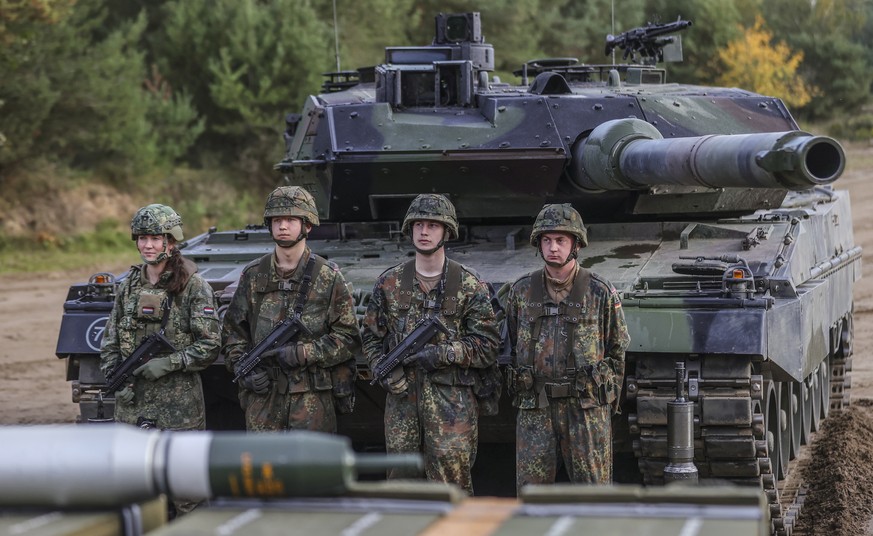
735	436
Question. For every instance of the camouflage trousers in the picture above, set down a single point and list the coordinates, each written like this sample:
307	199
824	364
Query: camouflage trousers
310	410
582	438
441	422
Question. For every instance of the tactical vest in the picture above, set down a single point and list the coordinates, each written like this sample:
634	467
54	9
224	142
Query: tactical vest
339	378
485	383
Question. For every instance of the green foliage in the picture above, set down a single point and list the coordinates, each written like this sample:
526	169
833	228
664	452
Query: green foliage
363	28
837	67
832	35
77	97
105	246
245	63
855	128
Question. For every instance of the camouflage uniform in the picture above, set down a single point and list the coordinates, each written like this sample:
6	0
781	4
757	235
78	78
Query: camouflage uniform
567	369
173	401
303	397
438	414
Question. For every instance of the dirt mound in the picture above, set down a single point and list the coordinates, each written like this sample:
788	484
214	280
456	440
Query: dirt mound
840	474
72	210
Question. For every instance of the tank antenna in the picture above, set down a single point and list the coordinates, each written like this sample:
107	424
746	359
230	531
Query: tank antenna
336	38
613	29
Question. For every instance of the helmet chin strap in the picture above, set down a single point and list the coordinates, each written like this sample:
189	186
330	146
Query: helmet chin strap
162	256
430	251
290	243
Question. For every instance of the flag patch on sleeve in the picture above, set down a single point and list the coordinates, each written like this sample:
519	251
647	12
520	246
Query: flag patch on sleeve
208	310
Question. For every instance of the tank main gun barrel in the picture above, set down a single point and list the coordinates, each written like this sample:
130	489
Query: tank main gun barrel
630	154
114	465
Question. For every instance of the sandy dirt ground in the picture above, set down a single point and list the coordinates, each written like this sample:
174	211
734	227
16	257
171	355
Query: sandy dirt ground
33	386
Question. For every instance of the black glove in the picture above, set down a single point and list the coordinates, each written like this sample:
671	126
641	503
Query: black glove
432	357
290	356
257	381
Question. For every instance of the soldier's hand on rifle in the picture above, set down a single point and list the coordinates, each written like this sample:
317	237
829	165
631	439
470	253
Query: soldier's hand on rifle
257	381
395	382
290	356
156	368
124	396
433	357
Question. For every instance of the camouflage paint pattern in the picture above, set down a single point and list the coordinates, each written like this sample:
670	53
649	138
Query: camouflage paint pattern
438	416
174	401
301	398
584	353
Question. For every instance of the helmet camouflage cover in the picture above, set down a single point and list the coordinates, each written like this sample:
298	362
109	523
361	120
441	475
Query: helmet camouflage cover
291	201
559	218
156	219
434	207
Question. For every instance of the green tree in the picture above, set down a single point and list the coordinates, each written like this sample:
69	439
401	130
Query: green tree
73	93
366	28
755	63
832	35
245	63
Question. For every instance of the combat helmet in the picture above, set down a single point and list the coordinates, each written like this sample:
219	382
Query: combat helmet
434	207
291	201
156	219
559	218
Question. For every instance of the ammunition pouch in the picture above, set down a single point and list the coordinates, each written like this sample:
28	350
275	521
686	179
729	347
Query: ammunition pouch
597	387
488	386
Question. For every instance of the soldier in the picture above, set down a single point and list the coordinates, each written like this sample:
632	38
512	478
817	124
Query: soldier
295	385
431	406
165	293
568	336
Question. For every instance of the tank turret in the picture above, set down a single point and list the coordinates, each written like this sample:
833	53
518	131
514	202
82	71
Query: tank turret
433	121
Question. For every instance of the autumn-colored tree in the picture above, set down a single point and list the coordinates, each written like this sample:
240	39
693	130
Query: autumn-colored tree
755	63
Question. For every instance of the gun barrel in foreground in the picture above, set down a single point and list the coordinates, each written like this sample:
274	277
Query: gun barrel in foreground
109	465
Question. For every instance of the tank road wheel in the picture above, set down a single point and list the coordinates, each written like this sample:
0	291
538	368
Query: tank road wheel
806	396
796	416
817	384
771	422
824	380
784	427
841	365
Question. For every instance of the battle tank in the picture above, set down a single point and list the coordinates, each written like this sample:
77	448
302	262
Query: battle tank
707	208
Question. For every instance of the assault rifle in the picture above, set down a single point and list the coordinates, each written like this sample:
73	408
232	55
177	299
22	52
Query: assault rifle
283	333
646	40
421	334
153	345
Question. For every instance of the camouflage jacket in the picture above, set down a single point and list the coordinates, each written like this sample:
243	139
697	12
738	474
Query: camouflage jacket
578	343
329	314
467	312
175	401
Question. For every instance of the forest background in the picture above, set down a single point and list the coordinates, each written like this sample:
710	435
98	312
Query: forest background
106	105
